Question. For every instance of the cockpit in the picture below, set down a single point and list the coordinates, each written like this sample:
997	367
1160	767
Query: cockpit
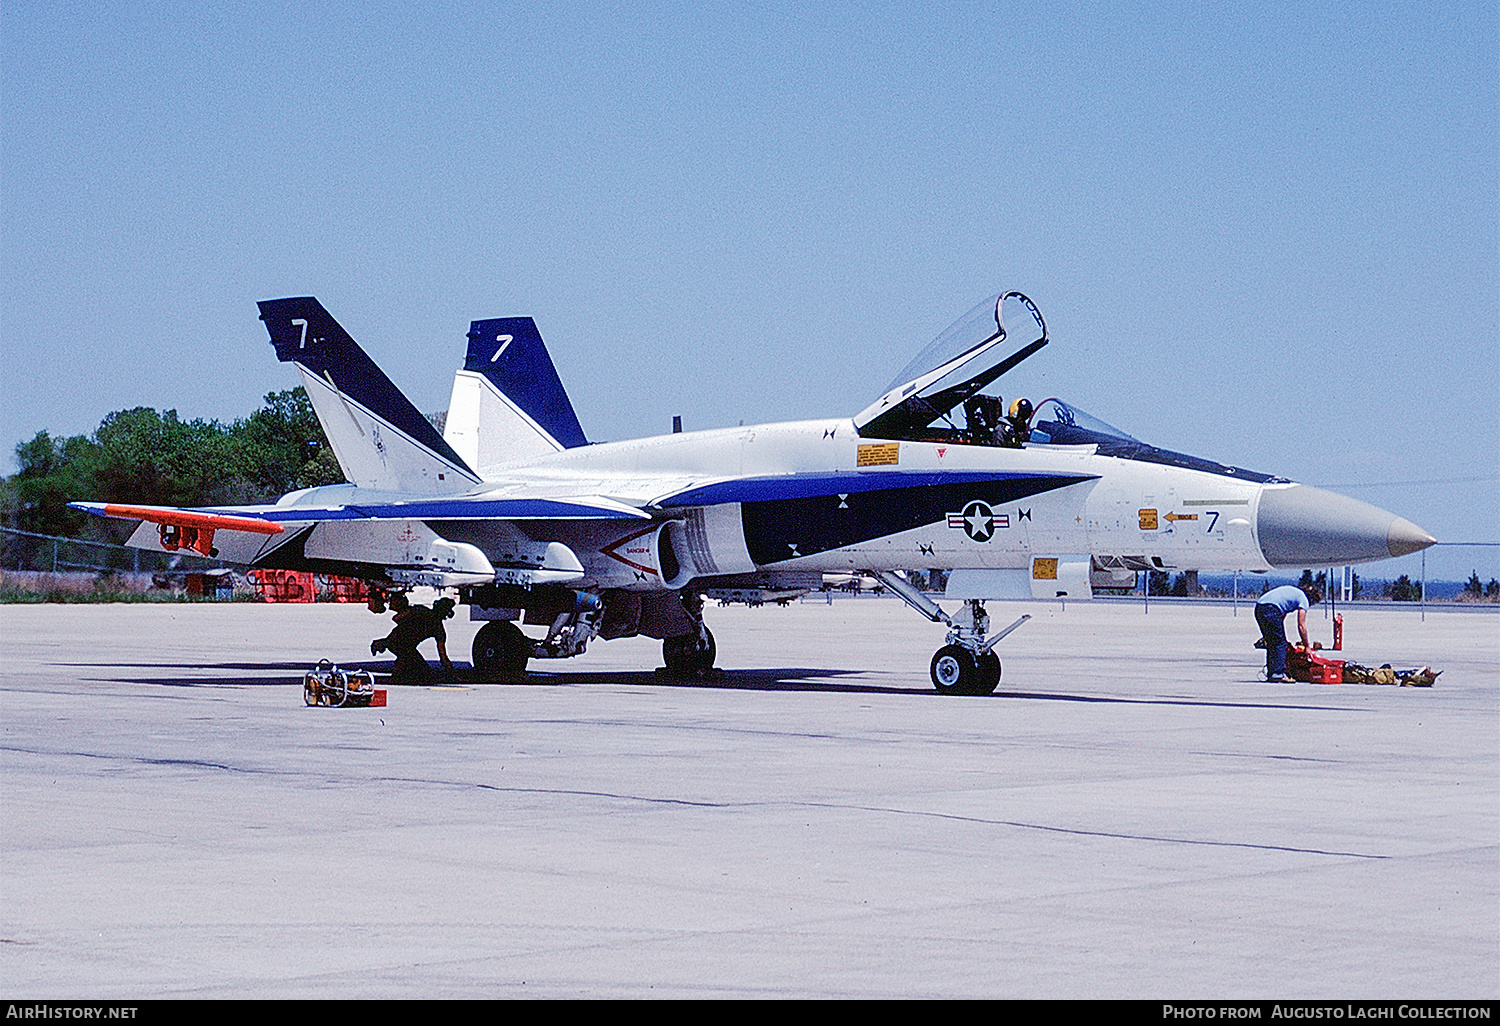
941	397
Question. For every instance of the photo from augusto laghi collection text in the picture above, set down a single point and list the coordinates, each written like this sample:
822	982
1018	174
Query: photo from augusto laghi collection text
1360	1010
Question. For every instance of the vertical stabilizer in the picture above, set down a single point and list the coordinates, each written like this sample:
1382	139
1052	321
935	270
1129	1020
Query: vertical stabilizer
508	402
379	437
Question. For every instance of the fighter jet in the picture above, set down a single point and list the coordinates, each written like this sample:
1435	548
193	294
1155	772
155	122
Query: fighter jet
513	510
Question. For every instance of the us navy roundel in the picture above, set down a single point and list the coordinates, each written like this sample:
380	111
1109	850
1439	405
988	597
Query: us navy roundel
978	521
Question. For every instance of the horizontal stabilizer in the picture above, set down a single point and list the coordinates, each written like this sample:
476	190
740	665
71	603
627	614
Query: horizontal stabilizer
179	517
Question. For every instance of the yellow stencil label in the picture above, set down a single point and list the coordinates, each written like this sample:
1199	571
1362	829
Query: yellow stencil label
1044	569
1148	520
884	454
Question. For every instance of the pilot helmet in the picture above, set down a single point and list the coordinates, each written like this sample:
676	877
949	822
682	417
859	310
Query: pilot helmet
1021	409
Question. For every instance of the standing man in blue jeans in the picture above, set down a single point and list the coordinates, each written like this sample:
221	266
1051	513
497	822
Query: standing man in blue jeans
1270	612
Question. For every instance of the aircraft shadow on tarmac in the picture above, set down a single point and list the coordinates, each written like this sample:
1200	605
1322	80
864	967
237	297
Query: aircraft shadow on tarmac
792	679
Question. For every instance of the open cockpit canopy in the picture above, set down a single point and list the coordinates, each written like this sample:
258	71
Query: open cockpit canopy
939	397
959	363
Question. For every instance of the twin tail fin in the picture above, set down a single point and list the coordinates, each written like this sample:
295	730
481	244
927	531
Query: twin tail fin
508	403
380	438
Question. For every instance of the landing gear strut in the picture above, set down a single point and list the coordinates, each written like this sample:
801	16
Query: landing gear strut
501	651
690	655
967	664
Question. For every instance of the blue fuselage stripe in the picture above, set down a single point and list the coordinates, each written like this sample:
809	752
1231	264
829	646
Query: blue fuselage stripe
779	529
842	482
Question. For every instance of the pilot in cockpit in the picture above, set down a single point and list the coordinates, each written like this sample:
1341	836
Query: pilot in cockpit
986	425
1018	424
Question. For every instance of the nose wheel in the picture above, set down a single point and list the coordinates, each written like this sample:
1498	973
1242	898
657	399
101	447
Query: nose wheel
956	671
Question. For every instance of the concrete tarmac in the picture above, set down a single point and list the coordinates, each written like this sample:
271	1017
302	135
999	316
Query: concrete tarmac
1132	815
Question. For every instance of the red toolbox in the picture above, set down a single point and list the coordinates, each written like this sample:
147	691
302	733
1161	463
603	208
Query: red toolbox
1313	668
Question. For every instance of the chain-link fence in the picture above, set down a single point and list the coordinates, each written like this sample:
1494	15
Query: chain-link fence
24	550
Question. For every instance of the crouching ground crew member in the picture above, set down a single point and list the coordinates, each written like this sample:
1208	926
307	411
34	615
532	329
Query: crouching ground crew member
414	625
1270	613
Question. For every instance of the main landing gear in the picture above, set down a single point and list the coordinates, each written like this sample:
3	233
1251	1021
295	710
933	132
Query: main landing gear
501	651
690	656
967	664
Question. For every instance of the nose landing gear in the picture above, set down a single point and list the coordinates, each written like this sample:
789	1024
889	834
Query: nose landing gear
967	664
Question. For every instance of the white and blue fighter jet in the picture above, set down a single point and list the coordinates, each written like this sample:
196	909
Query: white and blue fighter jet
513	508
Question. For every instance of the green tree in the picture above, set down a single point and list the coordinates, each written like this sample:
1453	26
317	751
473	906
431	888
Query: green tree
322	469
53	472
1474	589
1403	589
156	458
283	446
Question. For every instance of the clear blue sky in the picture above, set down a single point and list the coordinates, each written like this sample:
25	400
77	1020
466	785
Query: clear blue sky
1262	233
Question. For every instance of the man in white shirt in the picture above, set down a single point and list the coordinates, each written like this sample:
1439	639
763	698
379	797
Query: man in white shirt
1270	613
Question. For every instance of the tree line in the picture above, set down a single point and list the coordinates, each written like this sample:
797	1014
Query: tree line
155	458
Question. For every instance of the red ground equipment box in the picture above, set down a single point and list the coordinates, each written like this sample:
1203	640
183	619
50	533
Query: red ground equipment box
1313	668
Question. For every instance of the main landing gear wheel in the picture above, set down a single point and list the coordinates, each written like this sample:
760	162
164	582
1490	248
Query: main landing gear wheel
501	651
955	671
687	656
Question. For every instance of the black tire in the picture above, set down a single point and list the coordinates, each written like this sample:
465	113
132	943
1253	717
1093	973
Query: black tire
687	656
954	671
989	675
500	651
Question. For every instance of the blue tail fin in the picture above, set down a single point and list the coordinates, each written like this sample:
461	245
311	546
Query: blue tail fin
508	402
380	438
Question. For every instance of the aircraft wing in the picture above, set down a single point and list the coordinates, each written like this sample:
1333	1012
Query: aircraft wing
387	534
268	519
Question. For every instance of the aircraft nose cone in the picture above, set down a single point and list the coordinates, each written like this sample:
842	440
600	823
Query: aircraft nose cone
1299	525
1405	537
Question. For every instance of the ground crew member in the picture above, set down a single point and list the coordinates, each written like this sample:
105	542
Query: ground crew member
414	625
1270	613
